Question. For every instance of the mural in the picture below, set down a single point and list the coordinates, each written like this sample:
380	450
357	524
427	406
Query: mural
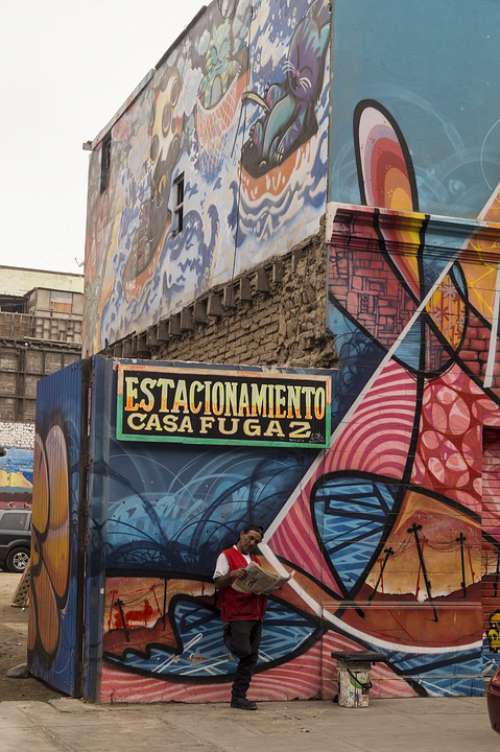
450	120
16	478
405	502
382	533
240	108
53	650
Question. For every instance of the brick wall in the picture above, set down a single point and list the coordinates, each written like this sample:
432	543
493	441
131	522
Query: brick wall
275	315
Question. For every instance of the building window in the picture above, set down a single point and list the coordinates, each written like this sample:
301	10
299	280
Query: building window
105	161
179	204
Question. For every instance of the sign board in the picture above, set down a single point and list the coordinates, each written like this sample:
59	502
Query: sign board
216	406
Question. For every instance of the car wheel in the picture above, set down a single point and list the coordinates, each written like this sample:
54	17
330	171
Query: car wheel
17	560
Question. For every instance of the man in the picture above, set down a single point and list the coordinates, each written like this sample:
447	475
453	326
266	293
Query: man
242	613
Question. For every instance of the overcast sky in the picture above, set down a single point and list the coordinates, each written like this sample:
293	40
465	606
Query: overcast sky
66	67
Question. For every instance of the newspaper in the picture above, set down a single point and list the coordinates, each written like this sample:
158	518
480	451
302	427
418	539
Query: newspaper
259	581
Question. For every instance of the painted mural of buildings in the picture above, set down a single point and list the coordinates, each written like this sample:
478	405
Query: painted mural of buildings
261	121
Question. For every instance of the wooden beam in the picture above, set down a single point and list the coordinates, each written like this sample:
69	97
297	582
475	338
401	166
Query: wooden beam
228	300
277	272
245	289
262	281
174	326
200	311
151	338
162	331
186	320
214	306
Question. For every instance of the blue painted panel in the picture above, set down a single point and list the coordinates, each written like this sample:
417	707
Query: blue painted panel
54	629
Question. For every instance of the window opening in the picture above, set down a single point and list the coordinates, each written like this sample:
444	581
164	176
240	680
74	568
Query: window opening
179	204
105	161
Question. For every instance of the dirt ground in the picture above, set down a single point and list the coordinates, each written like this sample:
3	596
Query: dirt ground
13	635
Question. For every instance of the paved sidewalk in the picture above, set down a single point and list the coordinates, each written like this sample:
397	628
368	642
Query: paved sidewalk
420	725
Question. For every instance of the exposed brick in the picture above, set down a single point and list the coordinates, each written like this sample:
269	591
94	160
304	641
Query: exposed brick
285	327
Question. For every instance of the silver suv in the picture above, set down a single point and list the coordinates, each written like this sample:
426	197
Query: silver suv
15	539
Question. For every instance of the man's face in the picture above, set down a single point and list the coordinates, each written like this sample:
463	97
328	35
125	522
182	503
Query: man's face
249	541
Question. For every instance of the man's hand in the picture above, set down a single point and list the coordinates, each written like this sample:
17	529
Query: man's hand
227	579
239	574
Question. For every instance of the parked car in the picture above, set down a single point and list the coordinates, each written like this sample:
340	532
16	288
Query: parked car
15	539
494	701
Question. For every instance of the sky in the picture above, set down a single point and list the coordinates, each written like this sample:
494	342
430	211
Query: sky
67	66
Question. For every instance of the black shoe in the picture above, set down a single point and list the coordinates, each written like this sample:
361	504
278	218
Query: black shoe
243	704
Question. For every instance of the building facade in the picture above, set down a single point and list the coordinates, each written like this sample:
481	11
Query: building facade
306	186
41	317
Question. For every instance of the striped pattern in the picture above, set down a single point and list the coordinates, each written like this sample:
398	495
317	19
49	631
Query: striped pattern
309	676
378	436
298	679
295	539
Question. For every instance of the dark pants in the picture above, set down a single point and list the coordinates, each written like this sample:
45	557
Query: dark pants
242	638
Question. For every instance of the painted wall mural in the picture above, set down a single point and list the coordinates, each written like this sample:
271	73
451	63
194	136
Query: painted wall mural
411	59
406	498
240	107
16	478
53	632
383	533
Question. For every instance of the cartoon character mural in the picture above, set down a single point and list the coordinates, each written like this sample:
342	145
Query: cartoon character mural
282	158
289	106
226	75
193	118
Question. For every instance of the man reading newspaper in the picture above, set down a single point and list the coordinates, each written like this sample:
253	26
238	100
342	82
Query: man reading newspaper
242	587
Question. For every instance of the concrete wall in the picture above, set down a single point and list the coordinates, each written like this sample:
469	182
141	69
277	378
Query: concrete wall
19	281
20	369
240	106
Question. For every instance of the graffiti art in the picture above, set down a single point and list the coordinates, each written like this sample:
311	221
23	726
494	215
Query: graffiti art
16	477
401	491
53	631
240	109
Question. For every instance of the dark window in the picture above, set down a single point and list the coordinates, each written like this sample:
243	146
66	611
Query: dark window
13	521
105	161
179	204
364	304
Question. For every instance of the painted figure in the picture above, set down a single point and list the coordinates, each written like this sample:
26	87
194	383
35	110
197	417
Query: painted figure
289	117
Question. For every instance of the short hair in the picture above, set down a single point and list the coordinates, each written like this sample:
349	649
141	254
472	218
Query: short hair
257	528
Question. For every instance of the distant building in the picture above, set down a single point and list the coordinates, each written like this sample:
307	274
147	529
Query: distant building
40	332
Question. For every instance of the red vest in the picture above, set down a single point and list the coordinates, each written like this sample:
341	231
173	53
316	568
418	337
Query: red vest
237	606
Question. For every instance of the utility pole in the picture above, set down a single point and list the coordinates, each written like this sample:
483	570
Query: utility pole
461	539
415	531
120	605
388	553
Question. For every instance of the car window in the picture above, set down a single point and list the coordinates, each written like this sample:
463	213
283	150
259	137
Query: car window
13	521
